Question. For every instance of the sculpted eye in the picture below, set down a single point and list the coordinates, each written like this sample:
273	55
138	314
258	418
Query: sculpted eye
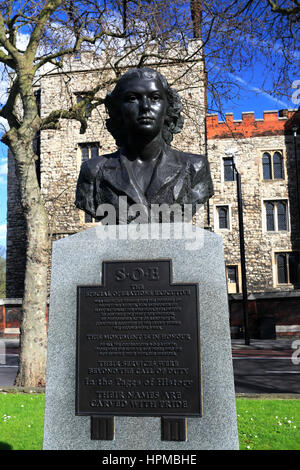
156	97
130	98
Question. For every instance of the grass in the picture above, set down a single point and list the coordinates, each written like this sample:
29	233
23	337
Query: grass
21	421
269	424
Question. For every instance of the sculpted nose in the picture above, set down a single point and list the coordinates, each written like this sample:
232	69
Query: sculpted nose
145	103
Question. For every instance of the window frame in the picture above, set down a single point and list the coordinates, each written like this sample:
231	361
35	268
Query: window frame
79	95
217	219
89	145
238	284
275	202
223	158
287	253
271	153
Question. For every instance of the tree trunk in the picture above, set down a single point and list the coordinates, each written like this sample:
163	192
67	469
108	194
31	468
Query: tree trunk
33	351
196	14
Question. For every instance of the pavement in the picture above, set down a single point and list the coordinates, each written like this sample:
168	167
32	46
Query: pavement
267	348
279	344
267	368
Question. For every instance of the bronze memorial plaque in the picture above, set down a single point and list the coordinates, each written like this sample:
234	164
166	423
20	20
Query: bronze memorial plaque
138	343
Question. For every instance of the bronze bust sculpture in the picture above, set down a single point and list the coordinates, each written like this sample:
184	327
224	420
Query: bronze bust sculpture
144	113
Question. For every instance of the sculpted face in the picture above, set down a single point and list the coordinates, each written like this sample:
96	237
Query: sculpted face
143	106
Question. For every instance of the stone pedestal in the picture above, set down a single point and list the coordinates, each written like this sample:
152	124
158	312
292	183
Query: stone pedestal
197	256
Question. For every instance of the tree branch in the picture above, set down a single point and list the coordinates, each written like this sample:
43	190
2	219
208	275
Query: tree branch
41	21
13	53
79	112
72	50
284	11
7	111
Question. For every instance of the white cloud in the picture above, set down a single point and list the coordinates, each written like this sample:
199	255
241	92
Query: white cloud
276	47
3	89
3	169
3	228
259	91
4	127
2	235
22	41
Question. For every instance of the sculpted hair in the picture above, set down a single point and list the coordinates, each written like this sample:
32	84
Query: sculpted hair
173	122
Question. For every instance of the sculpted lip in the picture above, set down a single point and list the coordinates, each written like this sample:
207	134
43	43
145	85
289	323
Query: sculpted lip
145	118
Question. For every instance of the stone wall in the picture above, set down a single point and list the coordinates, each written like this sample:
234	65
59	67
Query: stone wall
260	244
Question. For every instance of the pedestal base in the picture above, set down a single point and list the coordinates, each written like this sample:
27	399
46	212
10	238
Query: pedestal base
196	257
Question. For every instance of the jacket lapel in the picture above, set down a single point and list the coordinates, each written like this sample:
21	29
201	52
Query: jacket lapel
114	171
116	174
165	174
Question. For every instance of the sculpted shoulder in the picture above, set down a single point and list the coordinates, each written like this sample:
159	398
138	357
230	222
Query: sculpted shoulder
92	166
197	166
186	158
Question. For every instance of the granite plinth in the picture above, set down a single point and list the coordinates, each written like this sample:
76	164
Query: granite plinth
196	257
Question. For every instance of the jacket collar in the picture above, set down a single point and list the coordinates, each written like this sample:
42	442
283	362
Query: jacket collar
114	171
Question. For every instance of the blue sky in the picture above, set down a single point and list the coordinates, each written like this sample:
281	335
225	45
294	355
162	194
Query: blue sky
253	98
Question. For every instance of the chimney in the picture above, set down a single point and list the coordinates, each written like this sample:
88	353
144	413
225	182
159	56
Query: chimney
283	113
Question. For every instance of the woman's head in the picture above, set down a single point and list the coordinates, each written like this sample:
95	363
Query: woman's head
173	121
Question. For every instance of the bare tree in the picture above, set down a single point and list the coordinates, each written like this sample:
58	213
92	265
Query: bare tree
233	33
245	35
54	29
285	8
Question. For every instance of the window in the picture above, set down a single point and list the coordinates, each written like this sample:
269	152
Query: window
80	96
232	276
278	166
272	164
276	216
287	267
228	169
88	150
223	219
266	160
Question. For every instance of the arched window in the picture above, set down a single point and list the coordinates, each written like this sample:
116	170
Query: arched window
276	213
88	150
287	265
270	216
223	217
229	174
272	164
278	165
282	268
266	160
281	216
